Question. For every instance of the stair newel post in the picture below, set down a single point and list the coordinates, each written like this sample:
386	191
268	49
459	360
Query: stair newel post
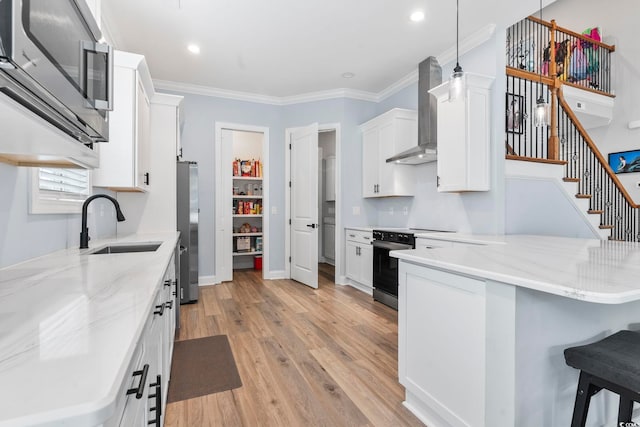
553	67
553	144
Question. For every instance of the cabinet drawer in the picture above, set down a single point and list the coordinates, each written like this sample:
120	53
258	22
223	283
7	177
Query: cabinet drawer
130	381
360	236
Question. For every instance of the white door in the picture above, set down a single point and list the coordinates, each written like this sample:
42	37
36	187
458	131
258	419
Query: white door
224	219
304	205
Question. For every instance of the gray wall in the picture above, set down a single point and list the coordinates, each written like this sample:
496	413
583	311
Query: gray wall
24	236
539	207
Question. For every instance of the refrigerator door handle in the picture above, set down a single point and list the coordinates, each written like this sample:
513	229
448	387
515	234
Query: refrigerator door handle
183	249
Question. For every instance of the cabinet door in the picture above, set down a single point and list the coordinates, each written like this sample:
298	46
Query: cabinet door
452	165
352	262
370	162
143	136
386	149
134	413
366	265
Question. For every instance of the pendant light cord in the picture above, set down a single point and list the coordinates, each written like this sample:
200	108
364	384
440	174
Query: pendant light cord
541	53
458	68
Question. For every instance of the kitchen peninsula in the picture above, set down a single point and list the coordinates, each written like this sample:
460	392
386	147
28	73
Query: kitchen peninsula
482	328
79	331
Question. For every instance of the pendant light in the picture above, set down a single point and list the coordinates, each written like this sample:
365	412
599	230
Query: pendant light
456	84
541	112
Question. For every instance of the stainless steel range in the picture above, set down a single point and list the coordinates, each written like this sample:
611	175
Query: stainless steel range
385	267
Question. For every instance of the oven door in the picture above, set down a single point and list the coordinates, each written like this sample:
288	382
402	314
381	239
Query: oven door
385	267
55	45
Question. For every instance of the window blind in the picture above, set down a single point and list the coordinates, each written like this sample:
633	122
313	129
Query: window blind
63	184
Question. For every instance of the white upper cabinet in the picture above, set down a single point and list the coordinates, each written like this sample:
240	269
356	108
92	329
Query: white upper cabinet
382	137
124	160
464	136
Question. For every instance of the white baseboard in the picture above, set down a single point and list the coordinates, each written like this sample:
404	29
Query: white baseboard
341	280
362	288
275	275
207	280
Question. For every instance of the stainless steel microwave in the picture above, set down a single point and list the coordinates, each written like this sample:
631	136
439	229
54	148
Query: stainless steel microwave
52	63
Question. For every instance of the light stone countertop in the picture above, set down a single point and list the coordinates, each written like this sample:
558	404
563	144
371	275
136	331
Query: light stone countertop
358	228
475	239
69	324
599	271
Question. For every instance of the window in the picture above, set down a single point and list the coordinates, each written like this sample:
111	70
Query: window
58	190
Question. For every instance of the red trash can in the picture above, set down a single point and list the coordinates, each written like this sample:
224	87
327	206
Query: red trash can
257	262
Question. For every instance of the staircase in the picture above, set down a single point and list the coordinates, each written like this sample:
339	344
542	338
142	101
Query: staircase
565	143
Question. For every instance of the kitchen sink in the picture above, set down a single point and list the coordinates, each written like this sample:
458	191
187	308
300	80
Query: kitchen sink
124	248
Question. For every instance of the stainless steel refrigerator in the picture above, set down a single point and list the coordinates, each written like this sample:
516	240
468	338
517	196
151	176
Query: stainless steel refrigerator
188	211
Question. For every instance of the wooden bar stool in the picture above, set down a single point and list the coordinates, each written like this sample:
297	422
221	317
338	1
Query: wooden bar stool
613	364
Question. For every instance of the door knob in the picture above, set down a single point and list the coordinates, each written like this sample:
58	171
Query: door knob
313	225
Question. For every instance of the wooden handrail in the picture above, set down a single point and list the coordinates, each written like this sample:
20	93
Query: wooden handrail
594	149
611	48
528	75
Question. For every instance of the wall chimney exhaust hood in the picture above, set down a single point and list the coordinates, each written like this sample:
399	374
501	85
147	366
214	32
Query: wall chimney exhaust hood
429	76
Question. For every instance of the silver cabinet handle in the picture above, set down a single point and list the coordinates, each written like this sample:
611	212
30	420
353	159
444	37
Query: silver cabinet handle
352	235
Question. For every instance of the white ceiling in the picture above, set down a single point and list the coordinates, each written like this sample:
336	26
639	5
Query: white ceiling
289	47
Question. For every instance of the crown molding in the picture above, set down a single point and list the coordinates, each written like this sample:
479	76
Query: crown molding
330	94
216	92
265	99
469	43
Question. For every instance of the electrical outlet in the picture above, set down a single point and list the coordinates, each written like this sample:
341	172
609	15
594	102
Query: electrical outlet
355	210
274	210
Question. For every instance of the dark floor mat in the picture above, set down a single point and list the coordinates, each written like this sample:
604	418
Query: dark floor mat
202	366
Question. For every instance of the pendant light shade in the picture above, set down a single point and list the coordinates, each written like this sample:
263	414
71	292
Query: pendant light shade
541	113
456	83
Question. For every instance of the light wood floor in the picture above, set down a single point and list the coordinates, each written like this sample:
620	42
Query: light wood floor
325	357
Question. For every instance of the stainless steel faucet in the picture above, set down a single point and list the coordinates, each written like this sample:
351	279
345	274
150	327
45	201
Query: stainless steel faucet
84	232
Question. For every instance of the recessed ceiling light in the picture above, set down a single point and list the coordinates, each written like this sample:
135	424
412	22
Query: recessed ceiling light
417	16
194	48
348	75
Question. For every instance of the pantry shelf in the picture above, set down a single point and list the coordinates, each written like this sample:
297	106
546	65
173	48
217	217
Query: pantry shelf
248	178
247	253
246	234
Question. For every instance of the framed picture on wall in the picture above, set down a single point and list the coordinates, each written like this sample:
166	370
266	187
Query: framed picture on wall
625	161
515	113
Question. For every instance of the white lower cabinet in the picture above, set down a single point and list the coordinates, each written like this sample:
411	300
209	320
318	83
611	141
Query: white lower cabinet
441	333
359	257
143	395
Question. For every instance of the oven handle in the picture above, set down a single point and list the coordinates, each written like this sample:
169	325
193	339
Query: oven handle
392	246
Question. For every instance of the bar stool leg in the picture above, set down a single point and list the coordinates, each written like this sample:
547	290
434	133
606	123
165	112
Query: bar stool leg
583	399
625	409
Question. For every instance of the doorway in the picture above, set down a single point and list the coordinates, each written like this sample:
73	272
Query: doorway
329	239
242	198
